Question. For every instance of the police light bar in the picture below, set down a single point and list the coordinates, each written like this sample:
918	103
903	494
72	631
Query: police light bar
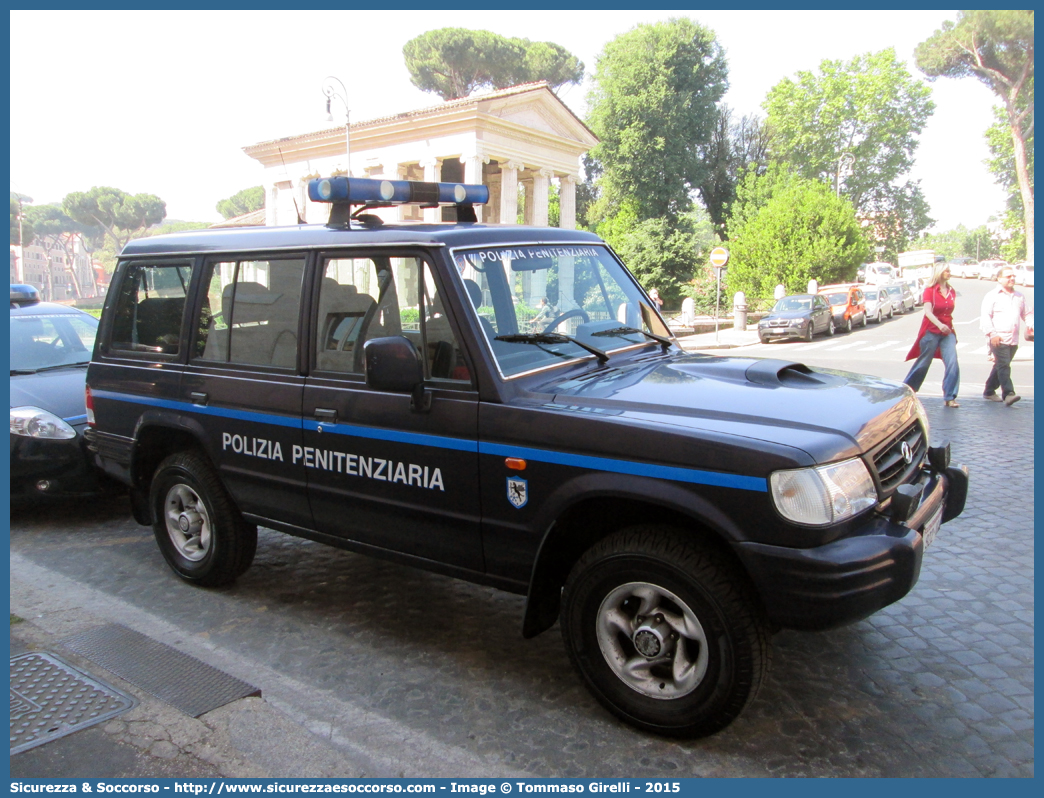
375	193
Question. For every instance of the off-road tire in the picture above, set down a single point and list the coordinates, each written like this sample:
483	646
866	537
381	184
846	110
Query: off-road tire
186	489
735	647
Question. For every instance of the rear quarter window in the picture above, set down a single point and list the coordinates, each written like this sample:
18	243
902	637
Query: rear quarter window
150	306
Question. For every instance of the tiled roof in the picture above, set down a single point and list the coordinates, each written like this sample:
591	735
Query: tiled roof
442	108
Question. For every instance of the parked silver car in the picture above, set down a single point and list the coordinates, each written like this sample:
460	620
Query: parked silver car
902	297
878	304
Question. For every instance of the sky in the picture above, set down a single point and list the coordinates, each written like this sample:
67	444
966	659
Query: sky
162	102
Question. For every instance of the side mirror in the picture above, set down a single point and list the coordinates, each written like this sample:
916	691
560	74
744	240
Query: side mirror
392	364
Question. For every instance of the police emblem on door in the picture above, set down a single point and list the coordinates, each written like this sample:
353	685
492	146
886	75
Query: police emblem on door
517	491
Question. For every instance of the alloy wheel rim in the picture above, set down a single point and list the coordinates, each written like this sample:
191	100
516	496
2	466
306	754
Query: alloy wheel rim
188	522
652	640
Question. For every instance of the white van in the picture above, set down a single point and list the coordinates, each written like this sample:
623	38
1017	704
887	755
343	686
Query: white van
880	273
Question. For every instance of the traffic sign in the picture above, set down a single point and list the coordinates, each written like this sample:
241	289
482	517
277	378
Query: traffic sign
719	257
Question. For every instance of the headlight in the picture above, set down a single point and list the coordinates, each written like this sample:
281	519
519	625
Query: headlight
797	322
32	422
824	494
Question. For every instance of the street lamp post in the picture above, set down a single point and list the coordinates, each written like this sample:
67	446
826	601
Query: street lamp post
330	89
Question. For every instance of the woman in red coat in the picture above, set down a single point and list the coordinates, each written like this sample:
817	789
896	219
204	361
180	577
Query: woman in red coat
936	337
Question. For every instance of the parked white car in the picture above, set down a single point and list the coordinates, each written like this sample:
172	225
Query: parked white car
963	267
1024	273
988	269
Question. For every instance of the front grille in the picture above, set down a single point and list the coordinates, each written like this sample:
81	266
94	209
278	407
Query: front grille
891	467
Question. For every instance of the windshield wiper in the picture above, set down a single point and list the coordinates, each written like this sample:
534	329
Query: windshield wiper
552	338
50	368
665	342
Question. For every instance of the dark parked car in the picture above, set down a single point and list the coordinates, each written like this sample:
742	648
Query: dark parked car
798	316
902	297
51	346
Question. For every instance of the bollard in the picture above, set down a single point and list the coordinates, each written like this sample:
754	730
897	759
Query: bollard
739	311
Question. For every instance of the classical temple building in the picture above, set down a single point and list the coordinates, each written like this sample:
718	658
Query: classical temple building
520	137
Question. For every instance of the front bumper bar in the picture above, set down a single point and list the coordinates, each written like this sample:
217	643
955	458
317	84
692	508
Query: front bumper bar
848	579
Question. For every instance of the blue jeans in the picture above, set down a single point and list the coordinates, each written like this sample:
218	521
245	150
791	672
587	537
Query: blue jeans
919	370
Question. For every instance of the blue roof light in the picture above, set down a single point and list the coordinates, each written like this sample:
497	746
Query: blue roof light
366	191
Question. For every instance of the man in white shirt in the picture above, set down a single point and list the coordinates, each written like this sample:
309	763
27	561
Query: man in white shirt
1003	309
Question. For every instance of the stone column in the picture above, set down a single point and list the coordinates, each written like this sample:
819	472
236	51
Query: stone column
541	182
432	174
509	191
473	174
271	203
567	202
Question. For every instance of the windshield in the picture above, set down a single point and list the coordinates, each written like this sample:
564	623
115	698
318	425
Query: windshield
51	340
870	295
837	299
529	297
791	303
894	290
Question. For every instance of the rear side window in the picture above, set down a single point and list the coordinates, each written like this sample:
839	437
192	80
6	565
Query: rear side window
149	308
250	312
363	298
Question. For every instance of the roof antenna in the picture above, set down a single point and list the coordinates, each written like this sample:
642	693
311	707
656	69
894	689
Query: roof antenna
300	220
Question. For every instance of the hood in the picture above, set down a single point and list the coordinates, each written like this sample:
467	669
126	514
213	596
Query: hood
828	414
60	392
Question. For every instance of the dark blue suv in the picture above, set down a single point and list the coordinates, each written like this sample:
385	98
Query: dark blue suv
505	405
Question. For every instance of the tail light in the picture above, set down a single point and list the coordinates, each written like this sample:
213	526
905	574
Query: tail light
90	406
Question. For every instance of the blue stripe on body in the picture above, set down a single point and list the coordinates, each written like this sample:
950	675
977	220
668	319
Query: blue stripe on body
672	473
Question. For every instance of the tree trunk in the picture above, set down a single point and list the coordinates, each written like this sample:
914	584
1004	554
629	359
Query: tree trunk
1022	173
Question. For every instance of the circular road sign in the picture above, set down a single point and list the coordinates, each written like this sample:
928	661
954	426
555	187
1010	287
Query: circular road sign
719	257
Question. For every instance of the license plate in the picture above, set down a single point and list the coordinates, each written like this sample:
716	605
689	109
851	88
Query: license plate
931	527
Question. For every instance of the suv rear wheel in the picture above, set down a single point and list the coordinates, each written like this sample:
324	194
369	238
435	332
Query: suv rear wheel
200	532
665	632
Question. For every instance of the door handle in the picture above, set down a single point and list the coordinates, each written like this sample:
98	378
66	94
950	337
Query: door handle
199	398
323	414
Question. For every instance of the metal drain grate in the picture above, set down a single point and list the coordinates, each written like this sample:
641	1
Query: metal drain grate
182	681
50	699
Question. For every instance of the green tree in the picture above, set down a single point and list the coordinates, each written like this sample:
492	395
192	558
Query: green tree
736	146
895	218
788	229
59	231
245	201
1002	164
21	228
453	62
652	106
996	47
120	215
662	253
865	115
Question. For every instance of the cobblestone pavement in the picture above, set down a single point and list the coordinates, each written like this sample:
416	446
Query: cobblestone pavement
380	669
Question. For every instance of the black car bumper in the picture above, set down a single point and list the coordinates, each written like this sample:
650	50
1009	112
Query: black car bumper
849	579
51	468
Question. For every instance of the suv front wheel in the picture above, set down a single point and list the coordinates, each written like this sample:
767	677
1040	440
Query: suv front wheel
200	532
665	632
